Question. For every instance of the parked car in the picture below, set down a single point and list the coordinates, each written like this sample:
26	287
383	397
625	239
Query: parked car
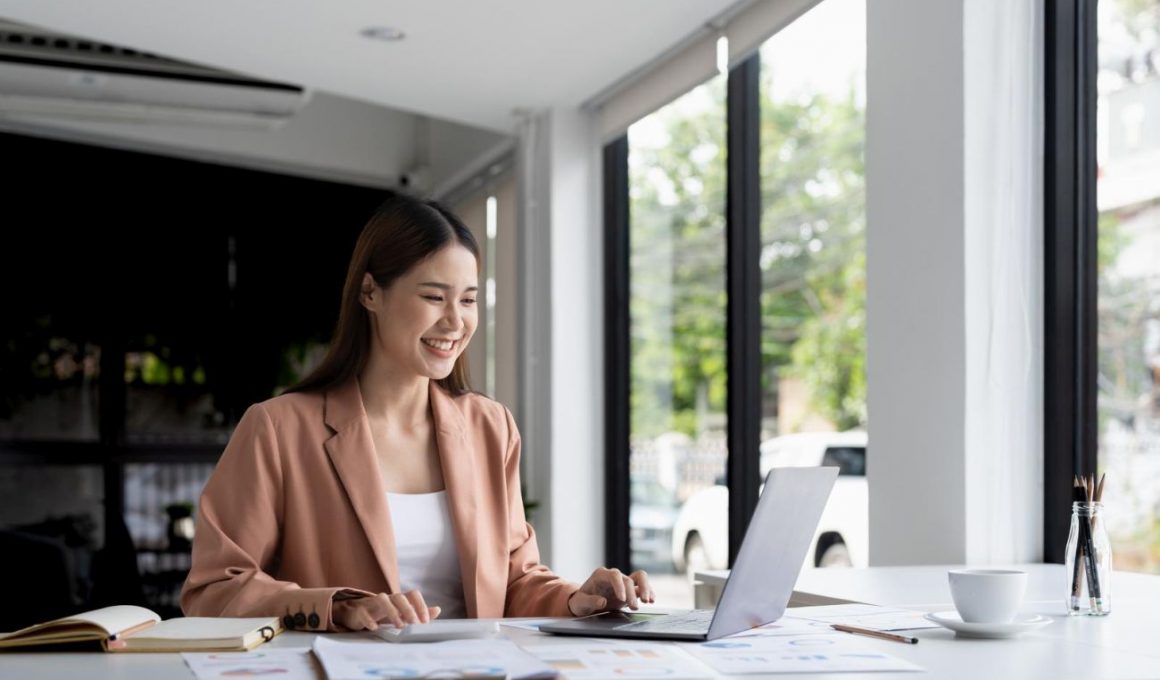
700	534
650	519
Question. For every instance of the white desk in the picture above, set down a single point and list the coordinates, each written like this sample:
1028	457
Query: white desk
1124	645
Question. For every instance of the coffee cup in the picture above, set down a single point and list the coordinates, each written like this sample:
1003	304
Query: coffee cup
987	595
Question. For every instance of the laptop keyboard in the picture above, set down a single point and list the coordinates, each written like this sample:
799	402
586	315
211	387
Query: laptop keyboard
696	621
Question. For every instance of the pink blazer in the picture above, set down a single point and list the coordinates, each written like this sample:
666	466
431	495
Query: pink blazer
296	513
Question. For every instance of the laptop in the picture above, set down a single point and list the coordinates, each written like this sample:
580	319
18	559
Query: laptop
763	576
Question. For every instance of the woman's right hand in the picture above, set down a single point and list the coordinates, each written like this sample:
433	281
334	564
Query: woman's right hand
397	609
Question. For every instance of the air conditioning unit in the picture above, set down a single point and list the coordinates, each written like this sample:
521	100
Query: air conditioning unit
46	77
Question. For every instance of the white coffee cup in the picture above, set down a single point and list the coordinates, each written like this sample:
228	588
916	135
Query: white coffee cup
987	595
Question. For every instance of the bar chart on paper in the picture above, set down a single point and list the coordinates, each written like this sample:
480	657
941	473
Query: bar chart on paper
605	659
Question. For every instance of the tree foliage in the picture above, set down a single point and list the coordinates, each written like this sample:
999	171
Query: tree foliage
812	258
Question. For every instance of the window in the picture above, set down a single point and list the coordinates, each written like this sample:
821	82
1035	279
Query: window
687	308
488	208
850	461
1128	270
51	362
676	243
813	246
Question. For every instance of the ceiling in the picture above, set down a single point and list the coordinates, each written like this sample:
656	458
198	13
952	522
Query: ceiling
468	61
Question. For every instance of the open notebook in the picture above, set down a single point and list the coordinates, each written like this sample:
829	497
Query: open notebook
126	628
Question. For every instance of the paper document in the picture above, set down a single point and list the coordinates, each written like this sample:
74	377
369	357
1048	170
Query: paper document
284	663
457	658
822	653
786	625
865	616
592	659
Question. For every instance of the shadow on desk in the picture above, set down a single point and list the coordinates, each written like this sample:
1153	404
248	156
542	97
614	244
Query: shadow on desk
706	595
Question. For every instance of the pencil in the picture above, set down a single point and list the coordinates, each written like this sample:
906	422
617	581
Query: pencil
870	632
1077	495
1090	556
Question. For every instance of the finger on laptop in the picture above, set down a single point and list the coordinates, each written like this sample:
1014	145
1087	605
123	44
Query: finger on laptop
583	604
643	587
630	597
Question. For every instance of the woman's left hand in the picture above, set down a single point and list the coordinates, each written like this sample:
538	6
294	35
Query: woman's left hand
610	590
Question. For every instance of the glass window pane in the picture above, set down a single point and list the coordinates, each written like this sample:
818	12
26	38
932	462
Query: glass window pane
160	507
1128	195
168	397
813	263
48	381
677	517
53	302
176	334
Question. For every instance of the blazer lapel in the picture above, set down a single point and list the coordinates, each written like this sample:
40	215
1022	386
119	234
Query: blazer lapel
352	452
457	458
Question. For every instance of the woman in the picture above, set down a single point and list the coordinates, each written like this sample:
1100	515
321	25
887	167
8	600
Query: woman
381	489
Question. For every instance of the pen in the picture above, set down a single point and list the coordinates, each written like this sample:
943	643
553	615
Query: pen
874	633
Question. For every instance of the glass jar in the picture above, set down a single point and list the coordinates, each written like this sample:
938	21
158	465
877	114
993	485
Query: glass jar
1089	562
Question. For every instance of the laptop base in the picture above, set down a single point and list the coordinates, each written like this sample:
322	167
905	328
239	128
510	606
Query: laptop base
611	624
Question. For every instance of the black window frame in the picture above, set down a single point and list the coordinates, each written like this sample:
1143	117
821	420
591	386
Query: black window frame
1070	220
742	327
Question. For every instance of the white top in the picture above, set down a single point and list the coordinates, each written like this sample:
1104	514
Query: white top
425	548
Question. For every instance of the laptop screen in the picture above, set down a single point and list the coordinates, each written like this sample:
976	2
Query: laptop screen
773	549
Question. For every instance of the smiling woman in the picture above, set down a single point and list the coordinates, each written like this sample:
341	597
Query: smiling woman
428	251
382	489
429	316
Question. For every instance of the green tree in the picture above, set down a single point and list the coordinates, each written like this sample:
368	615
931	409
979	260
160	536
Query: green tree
812	258
677	251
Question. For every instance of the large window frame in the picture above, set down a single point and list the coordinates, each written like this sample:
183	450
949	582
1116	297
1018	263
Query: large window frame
743	317
1070	238
1070	288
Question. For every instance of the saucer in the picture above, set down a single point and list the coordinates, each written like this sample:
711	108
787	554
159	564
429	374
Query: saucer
1021	624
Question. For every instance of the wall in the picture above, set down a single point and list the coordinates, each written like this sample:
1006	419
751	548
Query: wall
561	336
577	491
914	279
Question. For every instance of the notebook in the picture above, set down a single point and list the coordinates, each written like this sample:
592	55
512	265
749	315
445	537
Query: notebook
125	628
761	582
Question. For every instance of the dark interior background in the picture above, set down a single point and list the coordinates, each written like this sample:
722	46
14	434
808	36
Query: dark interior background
147	302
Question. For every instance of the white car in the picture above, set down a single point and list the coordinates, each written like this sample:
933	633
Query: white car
700	533
650	520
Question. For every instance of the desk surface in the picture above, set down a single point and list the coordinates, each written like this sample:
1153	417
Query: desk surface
1122	645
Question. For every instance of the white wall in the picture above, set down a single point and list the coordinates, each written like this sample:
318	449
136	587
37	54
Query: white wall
577	491
915	331
562	335
454	147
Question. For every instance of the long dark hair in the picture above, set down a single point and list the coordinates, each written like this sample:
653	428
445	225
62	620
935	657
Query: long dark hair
403	231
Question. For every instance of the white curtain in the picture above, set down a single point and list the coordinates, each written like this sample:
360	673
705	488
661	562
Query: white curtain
1003	75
